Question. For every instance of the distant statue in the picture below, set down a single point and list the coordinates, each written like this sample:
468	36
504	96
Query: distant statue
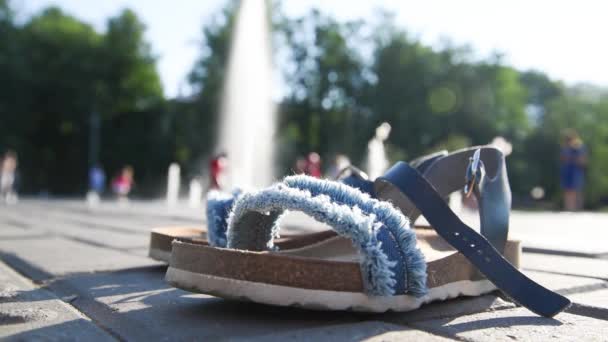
377	162
195	193
573	162
173	183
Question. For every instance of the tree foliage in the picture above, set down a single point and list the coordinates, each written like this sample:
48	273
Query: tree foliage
342	80
59	70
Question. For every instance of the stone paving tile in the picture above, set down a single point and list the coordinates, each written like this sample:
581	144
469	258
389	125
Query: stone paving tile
518	325
41	219
84	233
554	231
140	305
31	313
596	268
153	209
371	331
42	258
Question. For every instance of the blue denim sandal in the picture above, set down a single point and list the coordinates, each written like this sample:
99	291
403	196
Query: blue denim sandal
373	261
219	204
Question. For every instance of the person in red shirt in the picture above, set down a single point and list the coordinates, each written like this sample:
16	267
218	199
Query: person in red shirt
217	167
313	167
123	183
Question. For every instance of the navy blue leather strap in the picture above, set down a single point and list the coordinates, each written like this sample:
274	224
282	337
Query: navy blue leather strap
471	244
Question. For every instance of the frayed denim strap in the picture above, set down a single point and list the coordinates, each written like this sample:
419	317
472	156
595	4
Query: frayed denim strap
219	205
398	240
253	224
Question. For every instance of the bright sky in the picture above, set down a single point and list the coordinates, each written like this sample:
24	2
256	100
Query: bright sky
562	38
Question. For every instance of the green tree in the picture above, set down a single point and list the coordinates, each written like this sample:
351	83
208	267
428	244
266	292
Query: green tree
196	118
129	97
59	71
323	111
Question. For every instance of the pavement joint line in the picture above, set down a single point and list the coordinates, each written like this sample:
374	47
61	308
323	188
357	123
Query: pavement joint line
104	272
536	250
583	289
105	211
435	332
17	224
71	301
23	267
438	332
50	233
564	274
574	308
588	311
87	224
27	237
102	226
99	244
69	304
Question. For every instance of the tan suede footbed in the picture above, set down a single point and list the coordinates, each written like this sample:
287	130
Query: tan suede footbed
323	272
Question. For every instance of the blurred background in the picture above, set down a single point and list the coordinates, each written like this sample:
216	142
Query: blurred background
94	91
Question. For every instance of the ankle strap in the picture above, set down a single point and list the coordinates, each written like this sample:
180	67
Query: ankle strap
446	172
447	175
403	181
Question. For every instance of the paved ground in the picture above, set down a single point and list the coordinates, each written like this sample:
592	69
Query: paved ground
71	273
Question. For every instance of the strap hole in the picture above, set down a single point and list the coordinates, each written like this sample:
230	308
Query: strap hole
472	245
456	233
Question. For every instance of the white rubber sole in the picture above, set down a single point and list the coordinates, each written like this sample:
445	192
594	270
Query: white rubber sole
318	299
159	254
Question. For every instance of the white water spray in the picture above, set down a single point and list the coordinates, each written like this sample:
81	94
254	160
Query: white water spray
377	162
248	113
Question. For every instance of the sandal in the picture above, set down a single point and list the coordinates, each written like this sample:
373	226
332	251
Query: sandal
219	204
377	263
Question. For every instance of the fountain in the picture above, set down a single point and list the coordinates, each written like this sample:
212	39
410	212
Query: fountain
377	162
247	121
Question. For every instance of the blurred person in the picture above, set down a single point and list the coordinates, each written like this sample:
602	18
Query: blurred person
9	177
123	183
217	170
340	163
97	179
313	165
300	166
97	183
573	161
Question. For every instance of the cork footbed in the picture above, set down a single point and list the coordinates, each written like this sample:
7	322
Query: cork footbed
162	237
321	275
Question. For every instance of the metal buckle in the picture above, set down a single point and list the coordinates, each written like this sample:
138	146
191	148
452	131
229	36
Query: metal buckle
471	173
